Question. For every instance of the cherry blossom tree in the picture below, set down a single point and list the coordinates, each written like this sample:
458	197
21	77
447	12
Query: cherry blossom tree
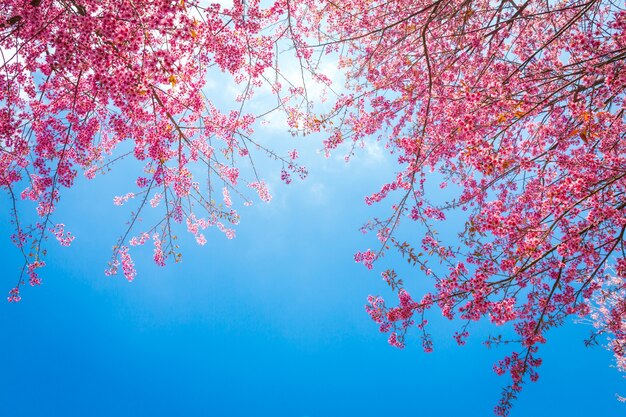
87	84
510	116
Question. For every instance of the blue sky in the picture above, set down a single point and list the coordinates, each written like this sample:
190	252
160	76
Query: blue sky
269	324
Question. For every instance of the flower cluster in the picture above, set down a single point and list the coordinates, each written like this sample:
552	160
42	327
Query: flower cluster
89	85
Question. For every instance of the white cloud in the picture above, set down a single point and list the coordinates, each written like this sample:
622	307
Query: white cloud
318	194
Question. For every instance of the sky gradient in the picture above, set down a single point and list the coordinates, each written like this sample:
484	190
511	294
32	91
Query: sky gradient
271	323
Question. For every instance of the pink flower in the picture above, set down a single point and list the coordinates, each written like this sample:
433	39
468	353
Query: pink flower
128	266
120	200
367	258
14	295
262	190
226	196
